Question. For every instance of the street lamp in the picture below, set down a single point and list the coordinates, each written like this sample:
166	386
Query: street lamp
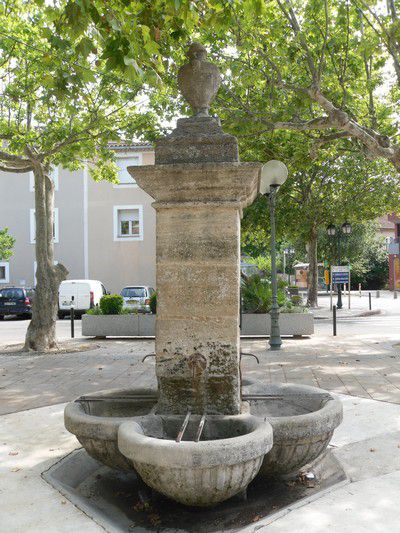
331	230
273	175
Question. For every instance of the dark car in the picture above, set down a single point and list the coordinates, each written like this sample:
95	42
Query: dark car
16	301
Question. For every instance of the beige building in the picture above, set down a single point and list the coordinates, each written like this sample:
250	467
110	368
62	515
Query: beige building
102	230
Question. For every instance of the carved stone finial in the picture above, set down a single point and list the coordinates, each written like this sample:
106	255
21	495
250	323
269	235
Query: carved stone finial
199	80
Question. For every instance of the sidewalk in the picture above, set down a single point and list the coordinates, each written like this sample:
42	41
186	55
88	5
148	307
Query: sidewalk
359	306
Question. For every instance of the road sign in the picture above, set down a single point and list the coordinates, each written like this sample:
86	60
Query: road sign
340	274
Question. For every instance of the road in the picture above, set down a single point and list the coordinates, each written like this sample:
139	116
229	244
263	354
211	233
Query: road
13	330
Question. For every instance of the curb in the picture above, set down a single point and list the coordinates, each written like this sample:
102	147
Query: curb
358	315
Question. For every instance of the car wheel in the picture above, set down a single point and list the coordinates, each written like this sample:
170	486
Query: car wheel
60	315
27	316
1	317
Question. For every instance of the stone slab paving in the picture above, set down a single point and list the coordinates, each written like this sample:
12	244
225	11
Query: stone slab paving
357	365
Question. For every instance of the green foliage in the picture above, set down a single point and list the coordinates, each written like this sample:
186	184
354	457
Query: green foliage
111	304
153	303
6	244
365	250
262	262
95	311
257	295
59	100
296	300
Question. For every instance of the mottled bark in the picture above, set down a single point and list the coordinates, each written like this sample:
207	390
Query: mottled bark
312	298
41	333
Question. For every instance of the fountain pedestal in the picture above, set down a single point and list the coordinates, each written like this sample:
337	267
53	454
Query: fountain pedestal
199	207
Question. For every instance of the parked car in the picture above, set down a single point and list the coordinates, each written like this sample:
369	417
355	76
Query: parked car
16	301
86	294
137	298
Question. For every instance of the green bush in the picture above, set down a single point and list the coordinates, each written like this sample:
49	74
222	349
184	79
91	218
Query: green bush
296	299
153	303
293	309
111	304
94	311
257	295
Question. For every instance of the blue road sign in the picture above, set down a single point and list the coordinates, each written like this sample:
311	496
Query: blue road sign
340	277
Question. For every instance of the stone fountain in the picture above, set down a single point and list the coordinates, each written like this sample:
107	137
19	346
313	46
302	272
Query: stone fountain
194	439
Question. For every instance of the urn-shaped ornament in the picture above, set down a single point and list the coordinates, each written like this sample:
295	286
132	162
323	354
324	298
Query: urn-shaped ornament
199	80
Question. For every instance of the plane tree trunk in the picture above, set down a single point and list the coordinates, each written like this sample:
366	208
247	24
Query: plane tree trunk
41	333
312	298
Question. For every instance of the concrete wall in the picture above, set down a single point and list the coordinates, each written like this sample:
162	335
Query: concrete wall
86	228
16	202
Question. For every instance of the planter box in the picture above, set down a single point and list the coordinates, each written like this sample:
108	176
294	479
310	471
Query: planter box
141	325
290	324
118	325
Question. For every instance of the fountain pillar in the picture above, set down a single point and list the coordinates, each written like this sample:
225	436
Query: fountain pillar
200	189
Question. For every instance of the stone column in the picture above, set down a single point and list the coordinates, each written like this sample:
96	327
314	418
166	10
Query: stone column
200	188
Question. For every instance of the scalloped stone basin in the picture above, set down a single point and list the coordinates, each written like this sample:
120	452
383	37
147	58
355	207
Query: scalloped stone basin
303	419
94	420
225	460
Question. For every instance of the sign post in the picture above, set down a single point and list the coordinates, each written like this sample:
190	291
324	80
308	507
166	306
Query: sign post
341	275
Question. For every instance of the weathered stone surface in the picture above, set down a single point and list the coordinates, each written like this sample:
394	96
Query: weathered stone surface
303	420
198	273
197	140
95	423
198	79
187	185
203	473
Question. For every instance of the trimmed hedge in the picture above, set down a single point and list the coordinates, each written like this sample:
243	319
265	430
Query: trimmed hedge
111	304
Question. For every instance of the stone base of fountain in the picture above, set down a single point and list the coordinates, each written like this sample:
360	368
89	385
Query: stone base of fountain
119	428
303	420
95	419
203	462
119	501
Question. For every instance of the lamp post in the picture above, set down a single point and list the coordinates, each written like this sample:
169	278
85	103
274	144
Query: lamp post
345	229
273	175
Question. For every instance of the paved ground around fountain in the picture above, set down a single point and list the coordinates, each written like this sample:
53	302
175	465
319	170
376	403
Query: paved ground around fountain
364	361
367	443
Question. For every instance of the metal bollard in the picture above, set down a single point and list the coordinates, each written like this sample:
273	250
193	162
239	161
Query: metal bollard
370	301
395	294
72	315
334	320
359	289
378	294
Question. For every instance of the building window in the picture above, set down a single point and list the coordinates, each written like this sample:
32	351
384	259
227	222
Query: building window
4	272
53	174
128	223
33	226
125	179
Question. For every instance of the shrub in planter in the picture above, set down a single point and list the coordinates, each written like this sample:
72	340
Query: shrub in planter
296	299
153	303
111	304
257	295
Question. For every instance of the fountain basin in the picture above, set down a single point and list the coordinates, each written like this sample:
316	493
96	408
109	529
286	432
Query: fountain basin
94	420
303	419
225	460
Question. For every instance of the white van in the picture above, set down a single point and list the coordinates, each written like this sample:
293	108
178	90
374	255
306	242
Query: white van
86	293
